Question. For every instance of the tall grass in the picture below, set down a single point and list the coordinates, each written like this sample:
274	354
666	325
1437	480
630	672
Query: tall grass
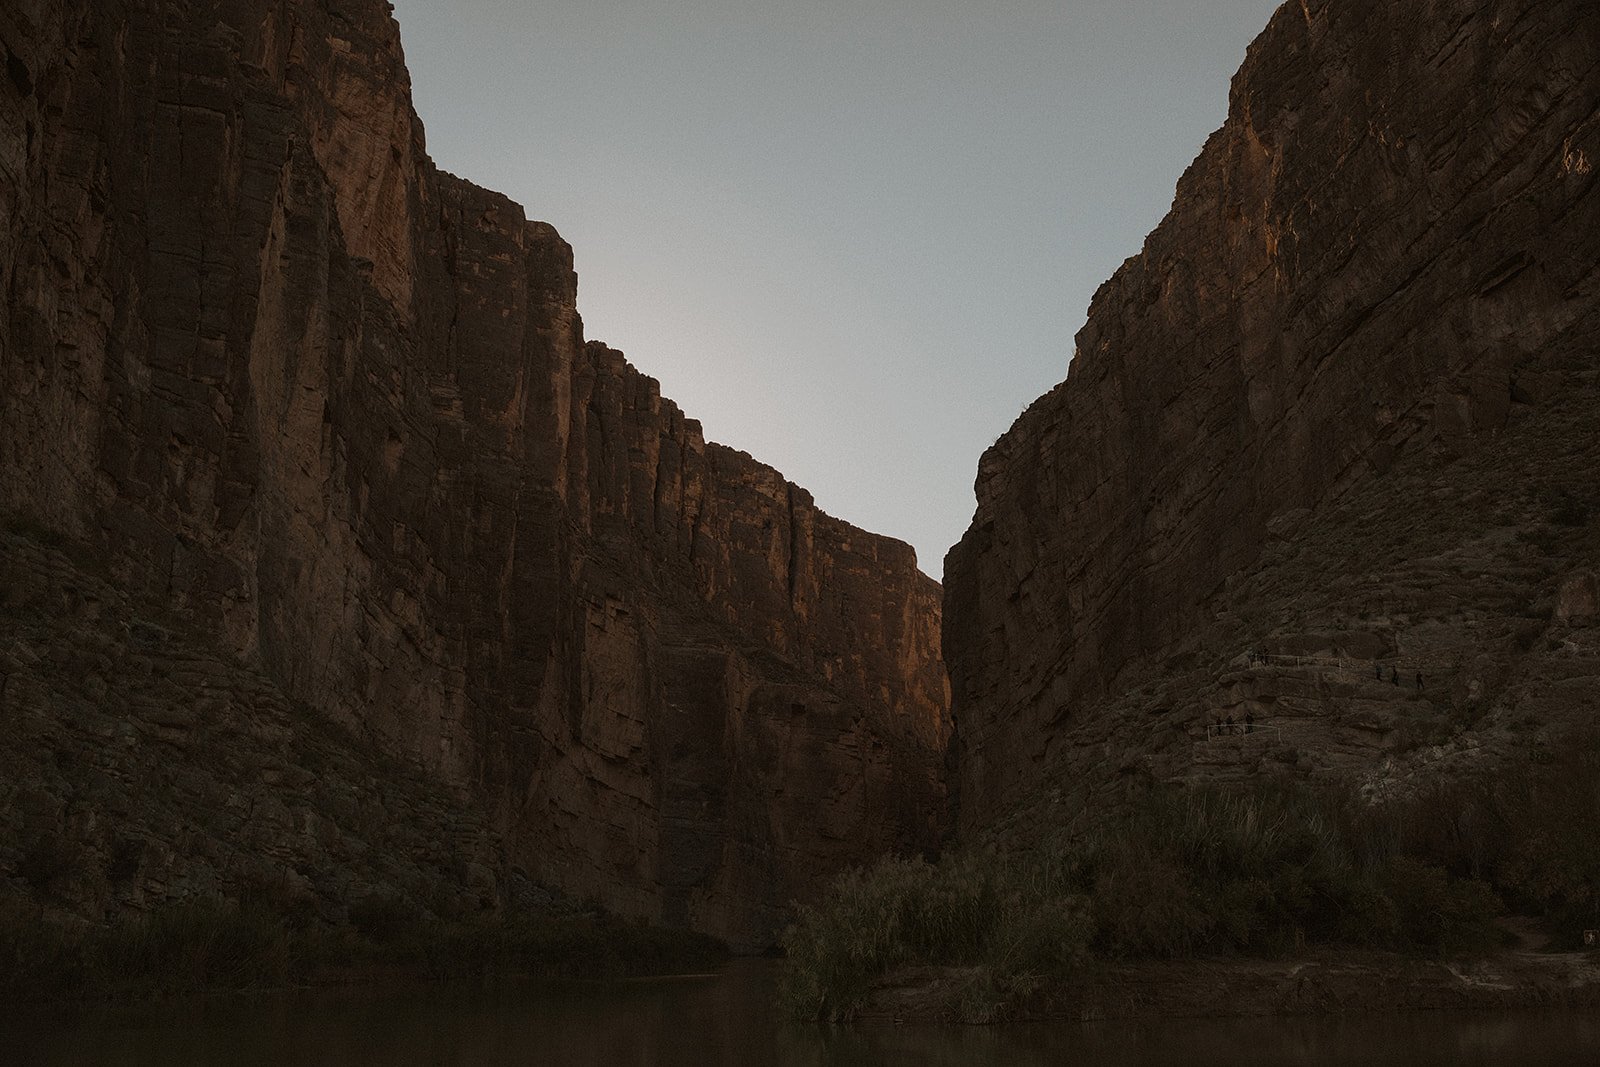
1010	921
1184	873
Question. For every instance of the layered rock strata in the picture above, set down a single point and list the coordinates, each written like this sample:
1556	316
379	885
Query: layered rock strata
143	765
334	408
1324	458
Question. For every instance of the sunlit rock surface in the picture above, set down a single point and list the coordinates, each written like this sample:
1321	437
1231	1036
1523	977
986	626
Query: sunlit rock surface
269	371
1340	411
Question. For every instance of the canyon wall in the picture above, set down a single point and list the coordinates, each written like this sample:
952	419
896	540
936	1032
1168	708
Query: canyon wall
1324	457
269	371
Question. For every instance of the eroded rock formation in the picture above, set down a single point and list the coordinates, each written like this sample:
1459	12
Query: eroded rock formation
1341	411
334	409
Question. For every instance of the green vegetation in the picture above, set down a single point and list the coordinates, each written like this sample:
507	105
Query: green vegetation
1011	920
1532	831
1182	874
218	946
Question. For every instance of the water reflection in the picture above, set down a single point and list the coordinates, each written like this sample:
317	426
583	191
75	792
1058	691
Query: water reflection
729	1020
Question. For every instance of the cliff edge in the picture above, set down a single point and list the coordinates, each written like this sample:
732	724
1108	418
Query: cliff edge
1323	460
266	370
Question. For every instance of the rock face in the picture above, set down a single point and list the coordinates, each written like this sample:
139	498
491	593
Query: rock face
1340	411
334	408
142	764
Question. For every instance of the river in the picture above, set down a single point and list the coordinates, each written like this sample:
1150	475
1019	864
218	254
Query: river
729	1019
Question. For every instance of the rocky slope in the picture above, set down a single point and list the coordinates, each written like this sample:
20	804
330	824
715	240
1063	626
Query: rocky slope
143	765
332	409
1340	412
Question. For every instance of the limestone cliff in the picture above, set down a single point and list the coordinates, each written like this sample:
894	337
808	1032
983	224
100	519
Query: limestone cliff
1341	412
333	409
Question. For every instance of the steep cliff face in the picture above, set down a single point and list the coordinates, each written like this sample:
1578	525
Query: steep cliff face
1340	410
334	407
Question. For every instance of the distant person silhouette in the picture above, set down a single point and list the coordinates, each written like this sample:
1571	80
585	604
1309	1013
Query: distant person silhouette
1394	675
1419	679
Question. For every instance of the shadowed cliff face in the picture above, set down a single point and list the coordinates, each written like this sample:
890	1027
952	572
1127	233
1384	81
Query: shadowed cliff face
335	408
1340	409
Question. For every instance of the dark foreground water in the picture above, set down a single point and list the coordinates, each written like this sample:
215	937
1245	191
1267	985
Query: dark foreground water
729	1019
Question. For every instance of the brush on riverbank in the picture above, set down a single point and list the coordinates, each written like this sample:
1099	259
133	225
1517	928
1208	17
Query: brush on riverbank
1271	873
219	946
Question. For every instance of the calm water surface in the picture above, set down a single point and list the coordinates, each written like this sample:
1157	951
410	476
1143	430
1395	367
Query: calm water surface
729	1019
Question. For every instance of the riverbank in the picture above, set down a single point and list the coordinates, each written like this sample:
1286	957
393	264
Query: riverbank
220	947
1324	983
731	1017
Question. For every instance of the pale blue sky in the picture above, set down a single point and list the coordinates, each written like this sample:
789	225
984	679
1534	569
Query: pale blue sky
852	238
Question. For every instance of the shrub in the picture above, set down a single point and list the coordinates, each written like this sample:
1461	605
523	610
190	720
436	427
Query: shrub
870	923
39	960
1222	872
196	946
1006	916
1531	832
1438	913
1552	862
1145	904
1183	873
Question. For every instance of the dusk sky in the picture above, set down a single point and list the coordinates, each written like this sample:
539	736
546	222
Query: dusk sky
853	239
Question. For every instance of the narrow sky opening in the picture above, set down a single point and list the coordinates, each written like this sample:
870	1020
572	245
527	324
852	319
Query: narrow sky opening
854	240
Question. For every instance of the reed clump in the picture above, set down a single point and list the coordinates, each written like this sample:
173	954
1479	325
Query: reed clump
1009	920
1184	873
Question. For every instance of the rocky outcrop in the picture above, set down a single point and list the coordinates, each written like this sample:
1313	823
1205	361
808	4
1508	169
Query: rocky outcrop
1338	413
143	765
334	408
